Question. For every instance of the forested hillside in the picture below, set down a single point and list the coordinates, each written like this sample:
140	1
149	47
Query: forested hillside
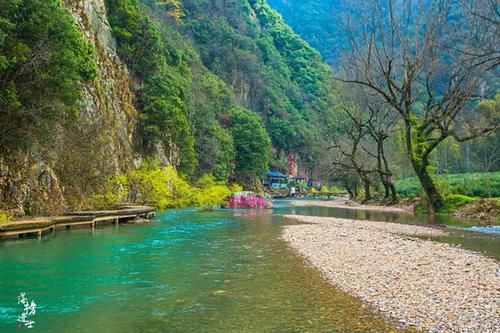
413	104
319	22
325	25
91	88
270	69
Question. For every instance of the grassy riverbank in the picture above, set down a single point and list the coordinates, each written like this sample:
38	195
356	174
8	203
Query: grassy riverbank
485	185
470	195
487	210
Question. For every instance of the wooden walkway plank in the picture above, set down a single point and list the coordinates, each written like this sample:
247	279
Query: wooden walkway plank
39	225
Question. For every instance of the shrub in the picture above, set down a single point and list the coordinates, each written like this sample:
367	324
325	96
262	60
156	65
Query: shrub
324	189
115	191
336	190
162	187
159	186
4	217
455	201
210	193
332	189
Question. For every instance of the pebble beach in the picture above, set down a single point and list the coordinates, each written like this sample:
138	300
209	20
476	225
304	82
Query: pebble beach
400	271
348	204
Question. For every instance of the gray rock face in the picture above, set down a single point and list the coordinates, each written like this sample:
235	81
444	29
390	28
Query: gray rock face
107	103
33	187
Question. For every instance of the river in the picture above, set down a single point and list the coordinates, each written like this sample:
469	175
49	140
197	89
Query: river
189	271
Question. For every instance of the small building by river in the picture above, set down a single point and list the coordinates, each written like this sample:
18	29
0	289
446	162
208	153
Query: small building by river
275	179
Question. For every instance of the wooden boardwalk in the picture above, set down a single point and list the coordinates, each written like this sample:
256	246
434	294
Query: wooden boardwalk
42	225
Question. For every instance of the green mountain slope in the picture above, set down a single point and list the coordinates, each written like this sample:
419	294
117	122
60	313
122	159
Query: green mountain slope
270	69
317	21
209	87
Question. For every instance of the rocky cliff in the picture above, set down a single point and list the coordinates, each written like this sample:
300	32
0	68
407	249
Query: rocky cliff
101	142
180	82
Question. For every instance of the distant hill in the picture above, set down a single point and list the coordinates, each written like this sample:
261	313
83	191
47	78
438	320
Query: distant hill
317	21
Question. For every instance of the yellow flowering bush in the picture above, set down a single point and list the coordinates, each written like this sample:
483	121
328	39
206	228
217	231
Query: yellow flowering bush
163	187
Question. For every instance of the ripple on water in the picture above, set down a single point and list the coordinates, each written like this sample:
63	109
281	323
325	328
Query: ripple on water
9	313
185	272
490	229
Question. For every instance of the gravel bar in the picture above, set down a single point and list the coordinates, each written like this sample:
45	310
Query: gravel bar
415	282
348	204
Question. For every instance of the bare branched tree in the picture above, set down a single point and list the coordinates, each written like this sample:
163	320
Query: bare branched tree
483	18
350	151
417	57
380	125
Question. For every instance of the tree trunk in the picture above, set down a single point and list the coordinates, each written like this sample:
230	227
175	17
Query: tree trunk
384	172
387	192
434	198
389	189
351	193
394	195
420	163
366	187
348	189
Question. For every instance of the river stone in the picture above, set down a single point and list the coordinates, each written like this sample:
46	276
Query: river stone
138	220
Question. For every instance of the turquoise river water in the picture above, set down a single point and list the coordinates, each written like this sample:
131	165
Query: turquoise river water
189	271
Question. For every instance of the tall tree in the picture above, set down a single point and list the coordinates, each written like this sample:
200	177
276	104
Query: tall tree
252	146
350	148
403	52
380	125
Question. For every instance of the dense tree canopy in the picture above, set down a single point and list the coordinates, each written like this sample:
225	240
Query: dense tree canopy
228	89
319	22
43	60
327	25
163	83
271	70
179	63
252	145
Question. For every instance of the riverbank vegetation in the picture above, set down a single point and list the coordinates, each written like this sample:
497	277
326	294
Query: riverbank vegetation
414	100
44	58
459	190
162	187
87	91
234	95
484	185
217	126
4	216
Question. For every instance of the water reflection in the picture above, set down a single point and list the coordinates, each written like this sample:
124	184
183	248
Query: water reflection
423	219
